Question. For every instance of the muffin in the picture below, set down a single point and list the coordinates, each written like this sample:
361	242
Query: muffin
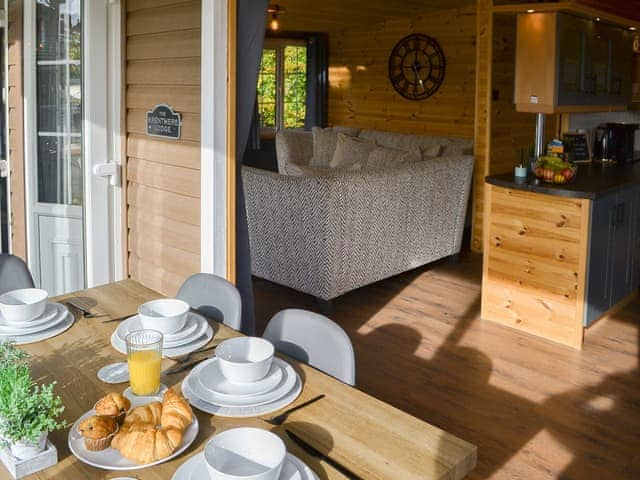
98	431
113	405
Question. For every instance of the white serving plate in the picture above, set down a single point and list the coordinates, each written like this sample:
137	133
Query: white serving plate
201	341
65	322
241	412
196	469
212	379
51	312
194	328
285	385
110	458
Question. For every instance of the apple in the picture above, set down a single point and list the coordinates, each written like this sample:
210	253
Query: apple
567	173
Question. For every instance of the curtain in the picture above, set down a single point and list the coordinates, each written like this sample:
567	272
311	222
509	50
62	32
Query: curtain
252	17
317	71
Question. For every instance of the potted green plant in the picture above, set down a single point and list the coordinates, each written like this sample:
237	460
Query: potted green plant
28	412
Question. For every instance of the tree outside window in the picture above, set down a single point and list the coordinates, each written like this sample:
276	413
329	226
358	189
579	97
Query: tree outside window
282	85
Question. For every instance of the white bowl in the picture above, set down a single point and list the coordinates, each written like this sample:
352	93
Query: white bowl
245	454
166	315
24	305
245	359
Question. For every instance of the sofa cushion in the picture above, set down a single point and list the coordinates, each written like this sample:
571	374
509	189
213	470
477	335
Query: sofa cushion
449	145
351	152
324	143
386	157
297	170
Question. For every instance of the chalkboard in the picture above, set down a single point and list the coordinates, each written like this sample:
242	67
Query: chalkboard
576	146
163	121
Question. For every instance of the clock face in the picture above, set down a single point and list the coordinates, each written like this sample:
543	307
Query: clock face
417	66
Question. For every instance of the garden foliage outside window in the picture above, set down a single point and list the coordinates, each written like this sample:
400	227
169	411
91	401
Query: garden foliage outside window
282	85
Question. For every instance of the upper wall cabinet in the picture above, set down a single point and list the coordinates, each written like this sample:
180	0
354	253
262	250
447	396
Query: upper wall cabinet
566	63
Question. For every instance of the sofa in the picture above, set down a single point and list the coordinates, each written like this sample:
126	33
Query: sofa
326	231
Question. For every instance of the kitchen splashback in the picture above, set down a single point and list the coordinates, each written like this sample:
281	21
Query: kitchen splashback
589	121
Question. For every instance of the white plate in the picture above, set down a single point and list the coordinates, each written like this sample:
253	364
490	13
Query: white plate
52	311
110	458
201	341
114	373
66	322
194	328
285	385
212	379
196	469
241	412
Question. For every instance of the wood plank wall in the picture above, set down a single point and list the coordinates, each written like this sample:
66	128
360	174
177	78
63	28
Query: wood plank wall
15	142
163	176
361	95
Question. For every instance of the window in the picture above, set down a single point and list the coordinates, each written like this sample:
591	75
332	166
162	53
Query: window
282	85
59	102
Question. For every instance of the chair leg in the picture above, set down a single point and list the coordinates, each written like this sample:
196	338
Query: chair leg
325	306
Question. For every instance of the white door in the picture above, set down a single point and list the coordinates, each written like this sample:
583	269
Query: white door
69	210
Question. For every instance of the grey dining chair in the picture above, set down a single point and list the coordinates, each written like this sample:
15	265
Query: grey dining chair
14	273
313	339
214	297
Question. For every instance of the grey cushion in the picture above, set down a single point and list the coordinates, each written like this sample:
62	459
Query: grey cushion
325	141
351	152
387	157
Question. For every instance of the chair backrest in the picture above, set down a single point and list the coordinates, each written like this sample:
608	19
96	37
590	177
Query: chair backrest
313	339
14	273
214	297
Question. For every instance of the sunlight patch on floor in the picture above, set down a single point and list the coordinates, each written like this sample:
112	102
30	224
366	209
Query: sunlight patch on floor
525	464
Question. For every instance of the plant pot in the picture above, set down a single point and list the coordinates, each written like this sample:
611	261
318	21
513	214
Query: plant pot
24	450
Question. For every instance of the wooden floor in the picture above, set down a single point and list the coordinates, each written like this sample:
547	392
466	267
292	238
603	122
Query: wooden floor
535	410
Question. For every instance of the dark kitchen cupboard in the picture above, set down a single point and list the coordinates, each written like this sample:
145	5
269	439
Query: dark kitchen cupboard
614	251
565	63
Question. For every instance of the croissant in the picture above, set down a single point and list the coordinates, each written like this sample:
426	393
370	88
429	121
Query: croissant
176	412
149	413
143	442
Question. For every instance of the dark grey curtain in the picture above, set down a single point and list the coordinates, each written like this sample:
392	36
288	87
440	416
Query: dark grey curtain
252	17
317	72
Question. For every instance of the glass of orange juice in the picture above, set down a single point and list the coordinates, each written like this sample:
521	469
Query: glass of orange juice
144	355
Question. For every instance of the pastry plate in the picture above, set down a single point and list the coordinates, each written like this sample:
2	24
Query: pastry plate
196	469
56	329
284	386
110	458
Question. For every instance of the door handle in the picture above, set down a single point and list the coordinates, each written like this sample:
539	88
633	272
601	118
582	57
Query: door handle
111	170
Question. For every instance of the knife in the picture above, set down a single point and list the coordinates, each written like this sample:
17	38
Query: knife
181	367
317	453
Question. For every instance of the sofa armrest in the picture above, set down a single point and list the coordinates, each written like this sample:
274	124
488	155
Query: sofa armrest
293	146
287	217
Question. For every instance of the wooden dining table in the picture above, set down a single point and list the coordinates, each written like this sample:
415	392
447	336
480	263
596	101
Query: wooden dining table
368	436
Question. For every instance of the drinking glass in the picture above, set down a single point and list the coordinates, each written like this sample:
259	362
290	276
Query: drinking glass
144	355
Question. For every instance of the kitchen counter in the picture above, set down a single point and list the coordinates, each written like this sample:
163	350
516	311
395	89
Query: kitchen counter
559	257
591	182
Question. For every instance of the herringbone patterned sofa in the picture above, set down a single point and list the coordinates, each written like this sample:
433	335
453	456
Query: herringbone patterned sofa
330	233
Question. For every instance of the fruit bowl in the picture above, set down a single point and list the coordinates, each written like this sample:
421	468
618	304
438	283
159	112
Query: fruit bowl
556	171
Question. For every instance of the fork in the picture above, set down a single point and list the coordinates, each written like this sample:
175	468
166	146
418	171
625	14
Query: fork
187	357
280	419
85	313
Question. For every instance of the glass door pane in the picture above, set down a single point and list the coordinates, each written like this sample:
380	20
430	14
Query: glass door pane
59	101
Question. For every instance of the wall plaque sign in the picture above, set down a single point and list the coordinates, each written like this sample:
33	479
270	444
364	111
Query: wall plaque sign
164	122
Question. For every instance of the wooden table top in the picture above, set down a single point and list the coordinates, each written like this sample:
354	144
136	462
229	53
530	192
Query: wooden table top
370	437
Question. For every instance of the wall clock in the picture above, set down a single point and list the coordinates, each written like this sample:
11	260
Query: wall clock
417	66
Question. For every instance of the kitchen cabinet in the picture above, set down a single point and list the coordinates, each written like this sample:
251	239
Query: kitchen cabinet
614	251
566	63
